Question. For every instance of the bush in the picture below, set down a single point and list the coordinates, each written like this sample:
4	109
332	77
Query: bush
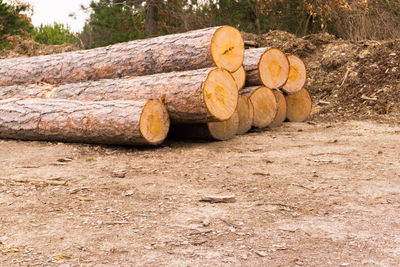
54	34
13	22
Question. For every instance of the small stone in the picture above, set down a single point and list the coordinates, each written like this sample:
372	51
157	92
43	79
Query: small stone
128	193
205	222
345	264
261	253
119	173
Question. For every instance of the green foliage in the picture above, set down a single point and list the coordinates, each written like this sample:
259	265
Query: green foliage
53	34
112	21
13	22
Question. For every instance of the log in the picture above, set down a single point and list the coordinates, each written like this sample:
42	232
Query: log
196	96
264	104
297	75
143	122
298	106
220	131
280	116
222	47
266	66
245	113
240	77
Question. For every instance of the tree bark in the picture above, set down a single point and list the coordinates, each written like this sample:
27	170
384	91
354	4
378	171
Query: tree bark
266	66
104	122
264	104
219	46
151	20
203	95
299	106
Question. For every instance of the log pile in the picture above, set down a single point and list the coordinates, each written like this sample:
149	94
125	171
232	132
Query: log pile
199	84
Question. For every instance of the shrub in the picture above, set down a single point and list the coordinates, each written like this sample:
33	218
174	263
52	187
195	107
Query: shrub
54	34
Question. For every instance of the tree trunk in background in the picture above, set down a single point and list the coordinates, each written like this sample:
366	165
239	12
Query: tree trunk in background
151	18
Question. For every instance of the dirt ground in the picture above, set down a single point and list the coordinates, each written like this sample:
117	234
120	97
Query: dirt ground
307	194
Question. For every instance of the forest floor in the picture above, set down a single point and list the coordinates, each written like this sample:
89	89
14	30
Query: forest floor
324	192
305	195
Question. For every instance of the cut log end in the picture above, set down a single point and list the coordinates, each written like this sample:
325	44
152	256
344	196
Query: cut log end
297	75
281	113
154	122
264	104
298	106
274	68
224	130
240	77
227	48
220	94
245	113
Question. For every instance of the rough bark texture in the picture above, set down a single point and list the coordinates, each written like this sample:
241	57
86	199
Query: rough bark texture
257	73
281	113
182	92
185	51
250	64
220	131
151	18
105	122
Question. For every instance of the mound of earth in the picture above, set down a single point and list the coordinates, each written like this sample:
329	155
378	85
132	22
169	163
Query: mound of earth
29	48
346	79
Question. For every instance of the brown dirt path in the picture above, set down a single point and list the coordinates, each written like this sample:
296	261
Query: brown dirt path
306	195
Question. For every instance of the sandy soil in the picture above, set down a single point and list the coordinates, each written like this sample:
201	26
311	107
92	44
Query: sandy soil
307	194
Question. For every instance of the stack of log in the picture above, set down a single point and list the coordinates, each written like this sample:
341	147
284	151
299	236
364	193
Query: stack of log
131	93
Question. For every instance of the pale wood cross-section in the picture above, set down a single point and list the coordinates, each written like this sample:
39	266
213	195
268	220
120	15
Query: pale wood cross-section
266	66
299	106
297	75
246	114
264	104
280	116
240	77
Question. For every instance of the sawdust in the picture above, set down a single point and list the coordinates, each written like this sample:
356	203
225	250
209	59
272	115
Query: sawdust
348	80
29	48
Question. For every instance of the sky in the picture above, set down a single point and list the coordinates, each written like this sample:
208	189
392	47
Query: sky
50	11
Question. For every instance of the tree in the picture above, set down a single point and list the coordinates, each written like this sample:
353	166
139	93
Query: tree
13	21
54	34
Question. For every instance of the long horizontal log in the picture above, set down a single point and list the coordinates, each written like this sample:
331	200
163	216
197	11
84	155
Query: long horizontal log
141	122
266	66
218	46
203	95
